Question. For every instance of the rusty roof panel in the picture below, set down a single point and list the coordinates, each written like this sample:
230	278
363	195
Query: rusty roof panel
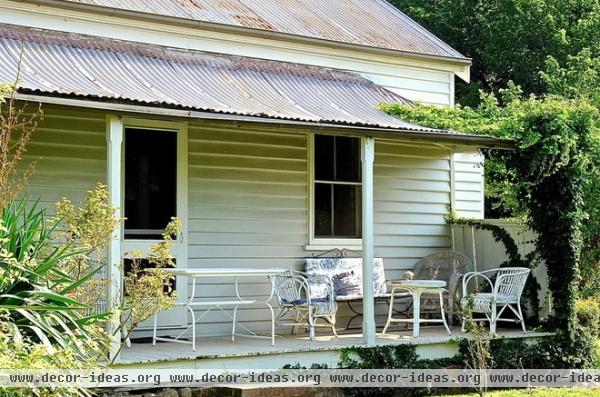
373	23
76	65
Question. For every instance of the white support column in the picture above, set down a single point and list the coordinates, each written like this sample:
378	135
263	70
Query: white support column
114	136
452	198
368	157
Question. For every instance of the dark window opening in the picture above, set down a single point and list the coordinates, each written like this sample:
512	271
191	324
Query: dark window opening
337	189
150	182
142	264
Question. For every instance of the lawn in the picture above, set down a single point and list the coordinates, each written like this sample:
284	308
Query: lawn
538	393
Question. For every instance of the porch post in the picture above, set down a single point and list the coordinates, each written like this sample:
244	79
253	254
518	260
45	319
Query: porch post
368	157
114	136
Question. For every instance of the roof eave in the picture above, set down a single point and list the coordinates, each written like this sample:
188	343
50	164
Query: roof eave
482	141
262	33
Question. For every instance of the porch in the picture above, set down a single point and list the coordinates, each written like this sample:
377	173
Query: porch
220	352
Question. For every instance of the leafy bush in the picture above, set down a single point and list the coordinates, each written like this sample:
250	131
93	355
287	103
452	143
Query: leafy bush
390	357
588	314
564	350
24	354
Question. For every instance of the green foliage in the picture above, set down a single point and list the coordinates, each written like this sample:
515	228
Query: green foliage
35	292
27	355
564	350
578	77
588	314
509	40
389	357
88	229
556	352
148	292
548	352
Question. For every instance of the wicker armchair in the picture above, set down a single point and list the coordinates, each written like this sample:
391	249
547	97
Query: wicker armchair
505	293
311	297
447	265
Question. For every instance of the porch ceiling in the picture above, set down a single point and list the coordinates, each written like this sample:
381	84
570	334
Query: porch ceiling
93	68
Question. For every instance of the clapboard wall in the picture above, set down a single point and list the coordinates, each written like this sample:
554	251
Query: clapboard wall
68	149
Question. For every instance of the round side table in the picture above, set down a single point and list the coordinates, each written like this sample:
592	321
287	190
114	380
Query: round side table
416	288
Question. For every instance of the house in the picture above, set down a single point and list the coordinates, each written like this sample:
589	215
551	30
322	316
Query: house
228	114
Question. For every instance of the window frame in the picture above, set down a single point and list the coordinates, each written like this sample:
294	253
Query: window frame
319	243
181	204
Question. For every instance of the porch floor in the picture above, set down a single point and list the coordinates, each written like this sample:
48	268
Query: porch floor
221	347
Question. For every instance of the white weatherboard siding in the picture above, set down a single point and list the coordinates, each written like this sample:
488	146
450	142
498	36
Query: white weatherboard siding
247	207
69	148
469	188
412	194
422	85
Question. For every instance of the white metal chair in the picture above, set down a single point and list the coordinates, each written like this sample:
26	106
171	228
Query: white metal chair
505	293
311	297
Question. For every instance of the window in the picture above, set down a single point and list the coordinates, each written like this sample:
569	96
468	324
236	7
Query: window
337	188
150	182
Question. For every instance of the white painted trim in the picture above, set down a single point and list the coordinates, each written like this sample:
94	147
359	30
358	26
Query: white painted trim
482	190
452	182
324	244
320	247
452	93
114	137
368	158
195	37
180	248
452	197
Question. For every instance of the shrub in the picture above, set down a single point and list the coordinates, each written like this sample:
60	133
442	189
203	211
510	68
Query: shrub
588	314
35	292
23	354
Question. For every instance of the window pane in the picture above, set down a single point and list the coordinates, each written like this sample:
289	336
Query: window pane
347	155
324	157
347	211
323	196
150	181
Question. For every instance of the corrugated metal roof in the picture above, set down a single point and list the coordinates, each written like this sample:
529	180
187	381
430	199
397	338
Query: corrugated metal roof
373	23
86	66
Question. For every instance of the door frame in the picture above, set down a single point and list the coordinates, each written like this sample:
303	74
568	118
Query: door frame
175	317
